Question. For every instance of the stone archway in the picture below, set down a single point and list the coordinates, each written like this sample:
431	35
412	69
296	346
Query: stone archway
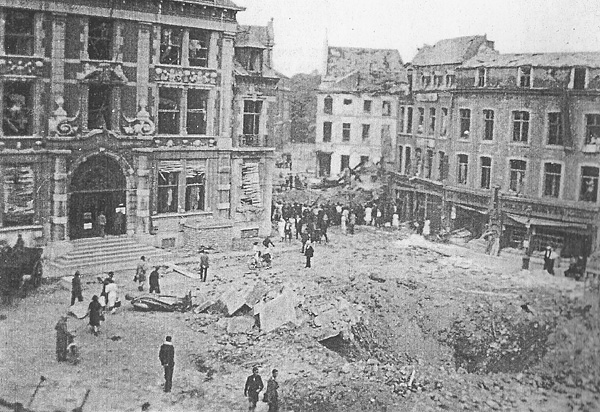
98	184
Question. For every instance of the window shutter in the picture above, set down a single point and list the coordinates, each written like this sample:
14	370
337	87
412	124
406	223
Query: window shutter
170	166
251	185
195	168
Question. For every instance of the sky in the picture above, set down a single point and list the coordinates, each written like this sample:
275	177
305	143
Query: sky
516	26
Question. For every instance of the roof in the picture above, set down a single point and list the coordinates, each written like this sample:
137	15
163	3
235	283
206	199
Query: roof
266	72
451	51
586	59
375	83
259	37
220	3
345	60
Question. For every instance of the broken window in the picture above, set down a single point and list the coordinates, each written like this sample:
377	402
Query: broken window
346	132
401	119
99	38
418	162
465	123
251	126
442	166
592	128
168	185
409	120
327	131
517	175
552	176
365	131
488	127
481	77
169	104
421	124
196	111
486	172
520	126
18	32
344	162
431	121
367	106
408	166
525	76
579	76
589	184
555	134
463	167
250	58
99	107
18	109
328	105
386	108
198	48
444	128
347	102
428	164
195	185
170	45
19	191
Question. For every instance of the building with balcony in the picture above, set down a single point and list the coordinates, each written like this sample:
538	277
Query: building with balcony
132	109
357	108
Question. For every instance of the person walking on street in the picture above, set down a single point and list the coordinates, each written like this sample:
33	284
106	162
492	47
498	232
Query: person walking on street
95	313
112	295
62	339
254	385
309	252
154	283
140	273
287	231
549	257
166	355
101	221
203	265
106	281
271	395
76	289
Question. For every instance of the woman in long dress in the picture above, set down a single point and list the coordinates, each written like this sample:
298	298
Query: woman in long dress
281	228
112	291
95	313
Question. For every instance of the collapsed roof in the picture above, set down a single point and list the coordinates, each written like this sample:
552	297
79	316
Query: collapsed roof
452	51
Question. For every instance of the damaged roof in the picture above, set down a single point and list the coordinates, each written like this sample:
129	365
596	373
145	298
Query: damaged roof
259	37
585	59
451	51
222	3
266	71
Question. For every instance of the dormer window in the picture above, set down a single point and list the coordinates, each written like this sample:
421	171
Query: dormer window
450	80
481	77
579	75
525	76
250	58
425	80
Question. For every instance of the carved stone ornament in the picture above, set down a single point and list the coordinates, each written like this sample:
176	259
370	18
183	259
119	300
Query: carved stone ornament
104	72
21	67
188	75
60	124
141	124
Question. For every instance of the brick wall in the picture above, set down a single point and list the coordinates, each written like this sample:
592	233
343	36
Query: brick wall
218	237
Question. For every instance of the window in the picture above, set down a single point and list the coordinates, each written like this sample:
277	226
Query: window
168	182
345	163
592	128
99	38
486	172
169	103
444	128
421	124
196	111
442	166
327	131
579	76
450	80
347	102
520	126
589	184
400	158
409	120
431	121
194	185
465	123
328	105
428	164
365	131
198	48
488	127
18	195
367	106
409	77
437	80
252	193
99	107
346	132
426	80
18	32
463	167
481	77
401	119
552	173
517	175
18	109
525	76
555	136
408	167
251	125
418	161
364	159
250	58
386	108
170	45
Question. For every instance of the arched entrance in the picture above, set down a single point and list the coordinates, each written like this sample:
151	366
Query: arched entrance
97	185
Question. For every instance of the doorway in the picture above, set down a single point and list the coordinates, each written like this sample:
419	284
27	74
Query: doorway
98	185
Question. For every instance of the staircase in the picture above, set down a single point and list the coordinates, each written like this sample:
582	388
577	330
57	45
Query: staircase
98	255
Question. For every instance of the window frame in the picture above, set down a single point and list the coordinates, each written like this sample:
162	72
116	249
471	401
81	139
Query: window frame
328	105
386	108
460	169
428	164
596	125
444	123
29	217
517	173
367	106
344	159
464	121
488	125
19	36
177	113
205	50
346	132
557	127
28	108
595	178
409	119
202	110
187	194
544	175
421	120
169	185
366	127
109	39
255	115
483	168
481	79
526	77
327	127
432	119
523	129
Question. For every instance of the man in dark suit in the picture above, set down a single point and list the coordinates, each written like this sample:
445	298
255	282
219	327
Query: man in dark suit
167	359
254	385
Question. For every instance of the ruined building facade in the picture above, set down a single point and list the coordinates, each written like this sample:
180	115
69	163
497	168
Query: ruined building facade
153	113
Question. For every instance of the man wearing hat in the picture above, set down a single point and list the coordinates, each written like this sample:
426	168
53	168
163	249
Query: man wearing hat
254	385
167	360
549	257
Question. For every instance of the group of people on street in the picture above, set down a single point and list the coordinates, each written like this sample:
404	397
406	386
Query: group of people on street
254	385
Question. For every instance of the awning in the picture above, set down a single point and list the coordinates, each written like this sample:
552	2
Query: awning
471	209
537	221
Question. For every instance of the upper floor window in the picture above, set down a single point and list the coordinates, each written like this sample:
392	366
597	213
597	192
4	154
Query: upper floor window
421	124
465	123
173	119
250	58
418	161
17	113
463	167
400	159
344	162
486	172
401	121
481	77
592	128
525	76
488	127
386	108
425	80
18	195
437	80
366	128
168	188
99	38
346	132
19	32
520	126
428	167
171	45
195	180
327	131
347	102
579	78
197	101
328	105
444	126
367	106
589	184
450	78
442	165
169	104
517	175
198	48
99	106
409	119
252	112
431	121
552	174
555	136
174	40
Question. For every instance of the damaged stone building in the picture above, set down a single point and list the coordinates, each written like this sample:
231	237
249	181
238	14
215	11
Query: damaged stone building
513	143
357	108
155	114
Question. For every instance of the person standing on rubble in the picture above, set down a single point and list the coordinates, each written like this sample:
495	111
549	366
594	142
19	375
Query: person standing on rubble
254	385
271	395
95	314
140	273
549	257
154	280
76	289
203	265
62	339
166	355
309	252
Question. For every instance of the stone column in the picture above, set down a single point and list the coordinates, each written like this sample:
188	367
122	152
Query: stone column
59	218
142	194
143	63
57	76
226	89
